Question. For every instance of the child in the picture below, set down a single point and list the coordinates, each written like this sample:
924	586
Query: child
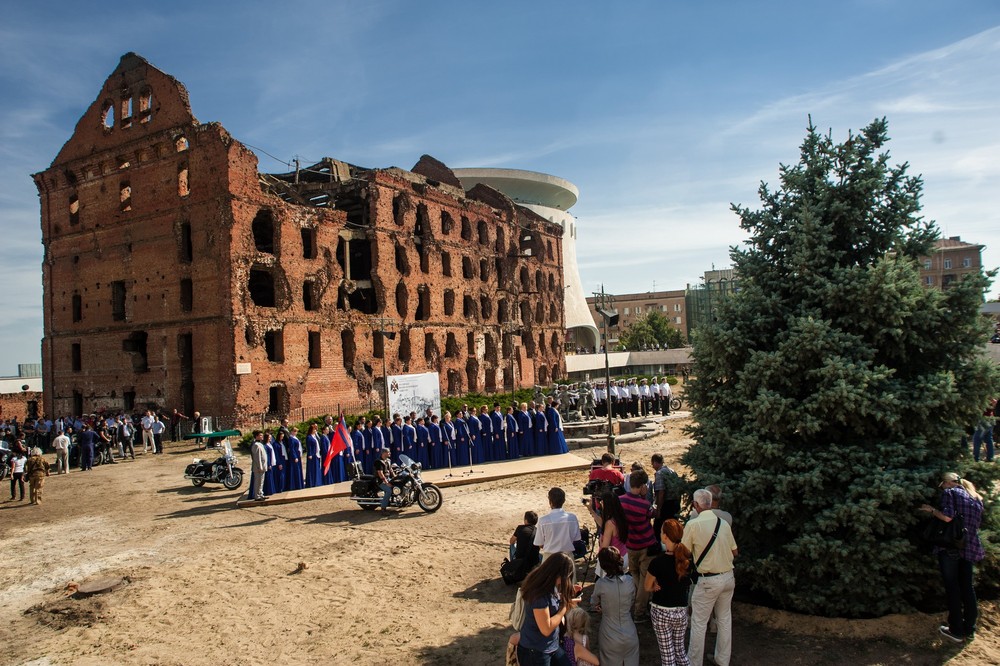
575	639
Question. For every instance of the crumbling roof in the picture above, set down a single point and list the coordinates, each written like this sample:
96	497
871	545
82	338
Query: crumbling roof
434	169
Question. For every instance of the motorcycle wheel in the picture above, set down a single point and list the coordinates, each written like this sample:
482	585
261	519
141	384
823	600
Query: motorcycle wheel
197	483
675	404
430	500
3	472
233	481
98	460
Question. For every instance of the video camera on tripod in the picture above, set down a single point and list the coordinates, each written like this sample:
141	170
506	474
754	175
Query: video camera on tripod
603	479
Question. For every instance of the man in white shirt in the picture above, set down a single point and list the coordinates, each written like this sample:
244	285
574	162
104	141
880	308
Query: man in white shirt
61	445
147	432
654	395
665	396
158	428
558	529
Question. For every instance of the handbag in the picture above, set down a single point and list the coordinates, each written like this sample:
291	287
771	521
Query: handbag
516	614
694	575
950	535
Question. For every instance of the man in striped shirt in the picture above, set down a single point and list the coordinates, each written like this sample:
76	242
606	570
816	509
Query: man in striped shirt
641	542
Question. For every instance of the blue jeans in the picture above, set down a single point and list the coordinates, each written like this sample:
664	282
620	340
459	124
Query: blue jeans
983	433
959	592
529	657
386	494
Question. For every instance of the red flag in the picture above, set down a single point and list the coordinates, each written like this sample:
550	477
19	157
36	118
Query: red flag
338	443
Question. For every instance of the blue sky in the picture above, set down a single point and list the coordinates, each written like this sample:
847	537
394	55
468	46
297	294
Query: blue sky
662	113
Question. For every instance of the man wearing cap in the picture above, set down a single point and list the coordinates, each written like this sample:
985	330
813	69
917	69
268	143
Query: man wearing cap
716	583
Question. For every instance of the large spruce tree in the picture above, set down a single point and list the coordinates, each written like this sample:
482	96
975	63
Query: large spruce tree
832	389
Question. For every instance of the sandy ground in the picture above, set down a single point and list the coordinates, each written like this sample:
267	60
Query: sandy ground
211	584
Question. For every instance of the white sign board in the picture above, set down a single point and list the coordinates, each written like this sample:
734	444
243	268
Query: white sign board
243	368
415	393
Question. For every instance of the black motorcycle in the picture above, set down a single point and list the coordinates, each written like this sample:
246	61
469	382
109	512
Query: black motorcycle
407	488
6	454
221	470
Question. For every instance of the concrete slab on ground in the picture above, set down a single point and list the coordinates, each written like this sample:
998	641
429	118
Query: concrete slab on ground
459	476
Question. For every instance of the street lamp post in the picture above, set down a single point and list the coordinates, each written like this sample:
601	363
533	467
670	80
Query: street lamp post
609	315
383	324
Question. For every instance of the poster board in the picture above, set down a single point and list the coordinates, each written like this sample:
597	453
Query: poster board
414	393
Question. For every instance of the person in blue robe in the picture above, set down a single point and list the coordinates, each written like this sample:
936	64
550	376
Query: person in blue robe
314	465
526	431
386	438
423	442
269	487
279	462
499	437
396	441
475	442
449	440
359	444
463	456
409	438
336	473
437	455
486	435
326	478
369	456
293	470
378	439
557	440
541	432
513	436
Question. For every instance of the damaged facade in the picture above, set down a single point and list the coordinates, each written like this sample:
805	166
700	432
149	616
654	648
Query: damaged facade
177	275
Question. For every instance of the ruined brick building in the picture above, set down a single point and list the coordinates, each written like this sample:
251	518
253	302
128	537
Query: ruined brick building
177	275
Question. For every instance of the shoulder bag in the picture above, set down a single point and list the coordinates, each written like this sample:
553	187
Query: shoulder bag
694	575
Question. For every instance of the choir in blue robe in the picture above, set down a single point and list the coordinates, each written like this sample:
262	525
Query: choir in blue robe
475	439
526	430
293	470
448	441
513	437
437	454
486	437
279	465
369	455
360	450
269	487
314	466
557	441
326	478
396	441
541	434
338	471
378	443
423	441
499	443
386	440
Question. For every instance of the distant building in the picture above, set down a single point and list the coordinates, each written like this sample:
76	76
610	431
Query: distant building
703	299
633	307
949	261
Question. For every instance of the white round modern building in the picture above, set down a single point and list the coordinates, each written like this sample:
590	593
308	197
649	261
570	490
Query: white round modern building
551	197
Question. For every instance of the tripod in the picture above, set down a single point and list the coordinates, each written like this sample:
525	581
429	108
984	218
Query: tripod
451	473
471	470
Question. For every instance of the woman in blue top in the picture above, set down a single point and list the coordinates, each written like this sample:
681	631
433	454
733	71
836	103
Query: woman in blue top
548	595
314	466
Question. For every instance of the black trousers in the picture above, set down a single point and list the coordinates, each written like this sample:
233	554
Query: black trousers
18	479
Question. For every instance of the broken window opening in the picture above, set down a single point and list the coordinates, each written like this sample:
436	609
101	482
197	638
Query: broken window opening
348	350
498	267
500	242
525	280
145	106
309	245
553	314
274	346
315	350
470	343
187	295
540	315
402	263
491	381
423	312
263	231
502	311
77	308
108	116
525	309
261	288
423	224
181	144
135	344
359	254
466	229
378	344
402	294
485	306
126	112
555	343
447	222
541	342
548	249
450	347
425	262
555	373
309	300
277	400
404	346
484	234
491	348
543	375
467	272
472	372
446	264
398	209
552	282
449	301
539	284
468	307
182	180
430	348
186	246
74	209
125	197
484	270
454	382
352	202
77	357
363	300
118	296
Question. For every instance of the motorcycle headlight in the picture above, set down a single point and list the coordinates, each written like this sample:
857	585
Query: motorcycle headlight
418	466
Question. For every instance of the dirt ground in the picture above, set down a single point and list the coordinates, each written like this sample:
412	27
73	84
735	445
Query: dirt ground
212	584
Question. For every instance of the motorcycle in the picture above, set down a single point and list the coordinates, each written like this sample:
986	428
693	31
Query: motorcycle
221	470
407	488
6	454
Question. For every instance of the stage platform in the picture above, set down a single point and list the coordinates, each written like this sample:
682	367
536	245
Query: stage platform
460	476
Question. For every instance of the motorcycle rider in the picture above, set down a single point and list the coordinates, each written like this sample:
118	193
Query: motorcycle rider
383	472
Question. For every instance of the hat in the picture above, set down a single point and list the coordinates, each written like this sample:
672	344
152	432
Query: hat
949	476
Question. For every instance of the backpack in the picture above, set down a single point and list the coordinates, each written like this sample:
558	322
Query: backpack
516	614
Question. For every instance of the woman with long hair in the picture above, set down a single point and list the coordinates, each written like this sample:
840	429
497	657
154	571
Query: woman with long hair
548	595
667	580
614	595
959	498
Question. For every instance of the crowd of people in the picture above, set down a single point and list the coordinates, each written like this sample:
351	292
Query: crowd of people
627	398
